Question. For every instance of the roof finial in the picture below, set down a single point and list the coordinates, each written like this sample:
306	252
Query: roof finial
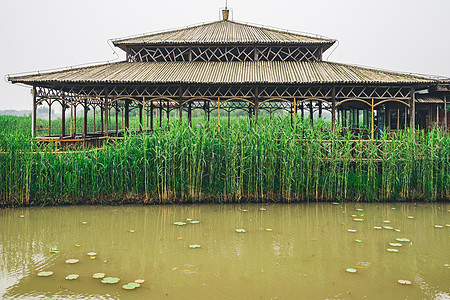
225	12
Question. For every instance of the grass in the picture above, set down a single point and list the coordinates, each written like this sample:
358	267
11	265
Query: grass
273	160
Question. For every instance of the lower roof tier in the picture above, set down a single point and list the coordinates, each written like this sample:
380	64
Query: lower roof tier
249	72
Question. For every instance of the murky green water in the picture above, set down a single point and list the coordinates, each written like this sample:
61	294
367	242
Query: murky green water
298	251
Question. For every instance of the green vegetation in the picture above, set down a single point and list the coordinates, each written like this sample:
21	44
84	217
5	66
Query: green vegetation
273	160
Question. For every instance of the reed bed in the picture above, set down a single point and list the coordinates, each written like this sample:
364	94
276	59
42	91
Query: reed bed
273	160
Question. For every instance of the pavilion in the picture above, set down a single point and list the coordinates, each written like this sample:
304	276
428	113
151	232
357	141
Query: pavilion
224	66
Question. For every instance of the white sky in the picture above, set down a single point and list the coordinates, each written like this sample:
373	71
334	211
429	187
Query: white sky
398	35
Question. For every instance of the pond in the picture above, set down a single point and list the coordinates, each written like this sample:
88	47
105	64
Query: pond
285	251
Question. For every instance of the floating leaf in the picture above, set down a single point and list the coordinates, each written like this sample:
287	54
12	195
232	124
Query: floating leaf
386	221
128	287
410	217
388	227
179	223
188	219
131	230
354	216
392	250
241	230
194	222
91	253
245	210
92	257
398	230
45	273
98	275
359	209
54	251
335	203
194	246
179	238
402	240
22	216
351	230
72	261
377	227
262	208
140	281
438	226
268	229
350	270
358	241
358	220
110	280
395	245
72	276
135	284
84	223
406	282
78	245
392	207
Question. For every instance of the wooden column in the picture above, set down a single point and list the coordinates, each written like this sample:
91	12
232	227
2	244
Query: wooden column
106	113
437	114
372	121
445	113
398	118
63	118
127	114
160	113
93	108
85	118
74	120
333	107
320	109
33	113
102	116
302	109
412	117
141	124
180	104
117	116
50	118
143	114
168	114
190	112
256	106
151	116
208	103
311	112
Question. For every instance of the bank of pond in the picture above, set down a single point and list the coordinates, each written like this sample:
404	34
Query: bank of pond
275	160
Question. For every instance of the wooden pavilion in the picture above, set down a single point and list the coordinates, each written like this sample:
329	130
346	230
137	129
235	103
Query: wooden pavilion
223	66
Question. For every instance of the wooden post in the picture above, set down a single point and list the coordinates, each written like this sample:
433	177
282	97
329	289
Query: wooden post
311	112
127	114
143	114
333	107
33	113
50	118
372	124
141	124
229	120
190	112
256	106
302	108
445	113
208	103
412	117
85	130
63	118
93	108
151	116
437	114
168	114
398	118
74	120
117	117
180	104
320	109
106	112
102	116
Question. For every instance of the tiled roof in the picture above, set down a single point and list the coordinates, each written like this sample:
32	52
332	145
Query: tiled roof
224	32
270	72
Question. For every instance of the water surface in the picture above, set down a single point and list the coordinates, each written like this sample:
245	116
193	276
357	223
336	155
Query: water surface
289	251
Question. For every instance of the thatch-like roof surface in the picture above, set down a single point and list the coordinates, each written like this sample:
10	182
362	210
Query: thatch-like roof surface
223	32
269	72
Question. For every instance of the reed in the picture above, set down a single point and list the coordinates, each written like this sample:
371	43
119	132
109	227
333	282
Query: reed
273	160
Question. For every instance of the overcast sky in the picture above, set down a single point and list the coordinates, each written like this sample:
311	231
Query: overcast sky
398	35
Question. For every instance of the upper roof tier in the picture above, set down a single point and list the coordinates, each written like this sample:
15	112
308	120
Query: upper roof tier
224	32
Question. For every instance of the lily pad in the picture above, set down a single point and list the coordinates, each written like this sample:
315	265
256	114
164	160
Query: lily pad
54	251
128	287
179	223
354	216
194	222
335	203
398	230
45	273
110	280
350	270
268	229
245	210
194	246
98	275
410	217
359	209
388	227
358	241
358	220
72	276
140	281
135	284
402	240
240	230
406	282
92	253
262	209
188	219
351	230
395	245
72	261
377	227
386	221
438	226
392	250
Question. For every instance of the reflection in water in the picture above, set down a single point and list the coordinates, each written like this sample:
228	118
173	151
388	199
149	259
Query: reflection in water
288	251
